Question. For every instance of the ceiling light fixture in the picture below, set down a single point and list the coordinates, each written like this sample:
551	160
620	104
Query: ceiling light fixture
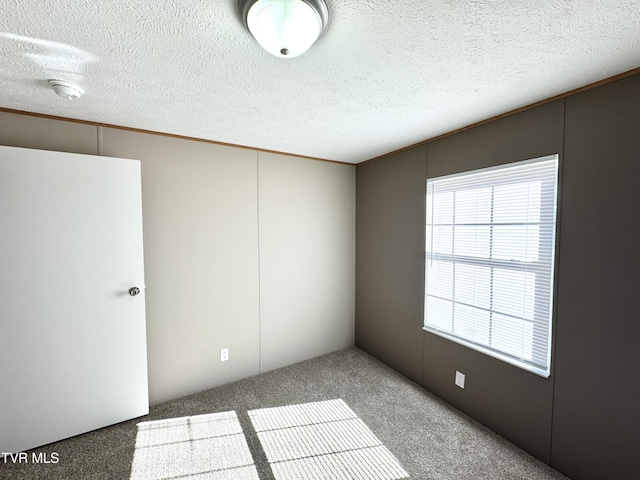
285	28
66	90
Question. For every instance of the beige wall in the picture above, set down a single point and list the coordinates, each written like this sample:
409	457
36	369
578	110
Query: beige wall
243	250
307	279
200	220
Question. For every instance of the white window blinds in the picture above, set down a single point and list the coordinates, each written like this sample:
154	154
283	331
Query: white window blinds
490	259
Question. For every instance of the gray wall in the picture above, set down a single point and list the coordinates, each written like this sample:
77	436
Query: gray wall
243	250
513	402
584	419
390	276
596	416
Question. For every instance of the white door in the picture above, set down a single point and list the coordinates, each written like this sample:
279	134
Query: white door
72	338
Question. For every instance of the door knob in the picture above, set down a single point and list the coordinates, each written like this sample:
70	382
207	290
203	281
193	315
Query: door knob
133	291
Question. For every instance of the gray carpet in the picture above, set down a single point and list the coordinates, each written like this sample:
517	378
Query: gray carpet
430	439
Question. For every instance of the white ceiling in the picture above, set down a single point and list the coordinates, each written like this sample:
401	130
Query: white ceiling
385	74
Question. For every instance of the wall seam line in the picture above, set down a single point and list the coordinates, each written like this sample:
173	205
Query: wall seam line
424	264
259	263
99	141
556	282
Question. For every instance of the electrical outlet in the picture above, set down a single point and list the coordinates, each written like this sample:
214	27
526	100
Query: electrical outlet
224	354
459	379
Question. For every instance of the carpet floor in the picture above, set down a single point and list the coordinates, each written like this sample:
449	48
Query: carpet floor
428	438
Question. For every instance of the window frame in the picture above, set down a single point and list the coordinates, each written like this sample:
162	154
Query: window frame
545	300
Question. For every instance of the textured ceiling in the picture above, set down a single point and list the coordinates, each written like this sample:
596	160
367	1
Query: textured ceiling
385	74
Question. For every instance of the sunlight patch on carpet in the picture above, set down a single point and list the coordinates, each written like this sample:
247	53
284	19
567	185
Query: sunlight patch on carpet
201	447
322	441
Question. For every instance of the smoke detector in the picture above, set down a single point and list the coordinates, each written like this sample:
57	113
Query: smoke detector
66	90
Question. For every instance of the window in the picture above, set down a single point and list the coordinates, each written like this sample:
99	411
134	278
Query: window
490	259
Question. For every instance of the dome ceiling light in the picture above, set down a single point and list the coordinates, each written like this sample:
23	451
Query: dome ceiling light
285	28
66	90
